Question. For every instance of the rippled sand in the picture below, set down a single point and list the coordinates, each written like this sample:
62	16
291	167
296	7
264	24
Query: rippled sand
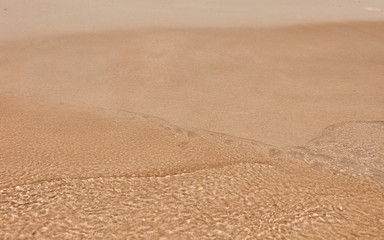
70	172
194	133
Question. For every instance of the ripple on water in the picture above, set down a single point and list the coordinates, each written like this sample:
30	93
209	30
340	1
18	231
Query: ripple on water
85	174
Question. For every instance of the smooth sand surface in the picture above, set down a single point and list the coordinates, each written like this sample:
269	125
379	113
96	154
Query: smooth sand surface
282	86
181	124
25	18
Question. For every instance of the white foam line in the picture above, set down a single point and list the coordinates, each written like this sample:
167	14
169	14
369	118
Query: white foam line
373	9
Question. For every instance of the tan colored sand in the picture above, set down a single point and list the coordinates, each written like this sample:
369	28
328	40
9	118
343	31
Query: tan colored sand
70	172
25	18
282	86
191	120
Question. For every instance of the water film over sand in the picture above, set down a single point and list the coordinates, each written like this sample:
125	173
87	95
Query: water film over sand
194	133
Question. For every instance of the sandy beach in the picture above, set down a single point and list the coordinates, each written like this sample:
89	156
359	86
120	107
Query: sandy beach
191	120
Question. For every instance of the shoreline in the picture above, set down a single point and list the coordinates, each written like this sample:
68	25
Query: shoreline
164	72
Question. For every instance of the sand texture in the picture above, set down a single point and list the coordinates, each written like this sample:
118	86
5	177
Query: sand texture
76	173
282	86
193	132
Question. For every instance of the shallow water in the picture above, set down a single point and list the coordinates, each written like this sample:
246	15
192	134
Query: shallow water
75	173
133	135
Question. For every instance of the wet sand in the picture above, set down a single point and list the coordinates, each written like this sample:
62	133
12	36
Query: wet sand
280	85
194	132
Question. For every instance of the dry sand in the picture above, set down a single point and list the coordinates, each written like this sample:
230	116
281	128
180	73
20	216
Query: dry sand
179	128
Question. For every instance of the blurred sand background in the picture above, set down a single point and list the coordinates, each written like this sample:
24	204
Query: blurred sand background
281	85
22	18
192	119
